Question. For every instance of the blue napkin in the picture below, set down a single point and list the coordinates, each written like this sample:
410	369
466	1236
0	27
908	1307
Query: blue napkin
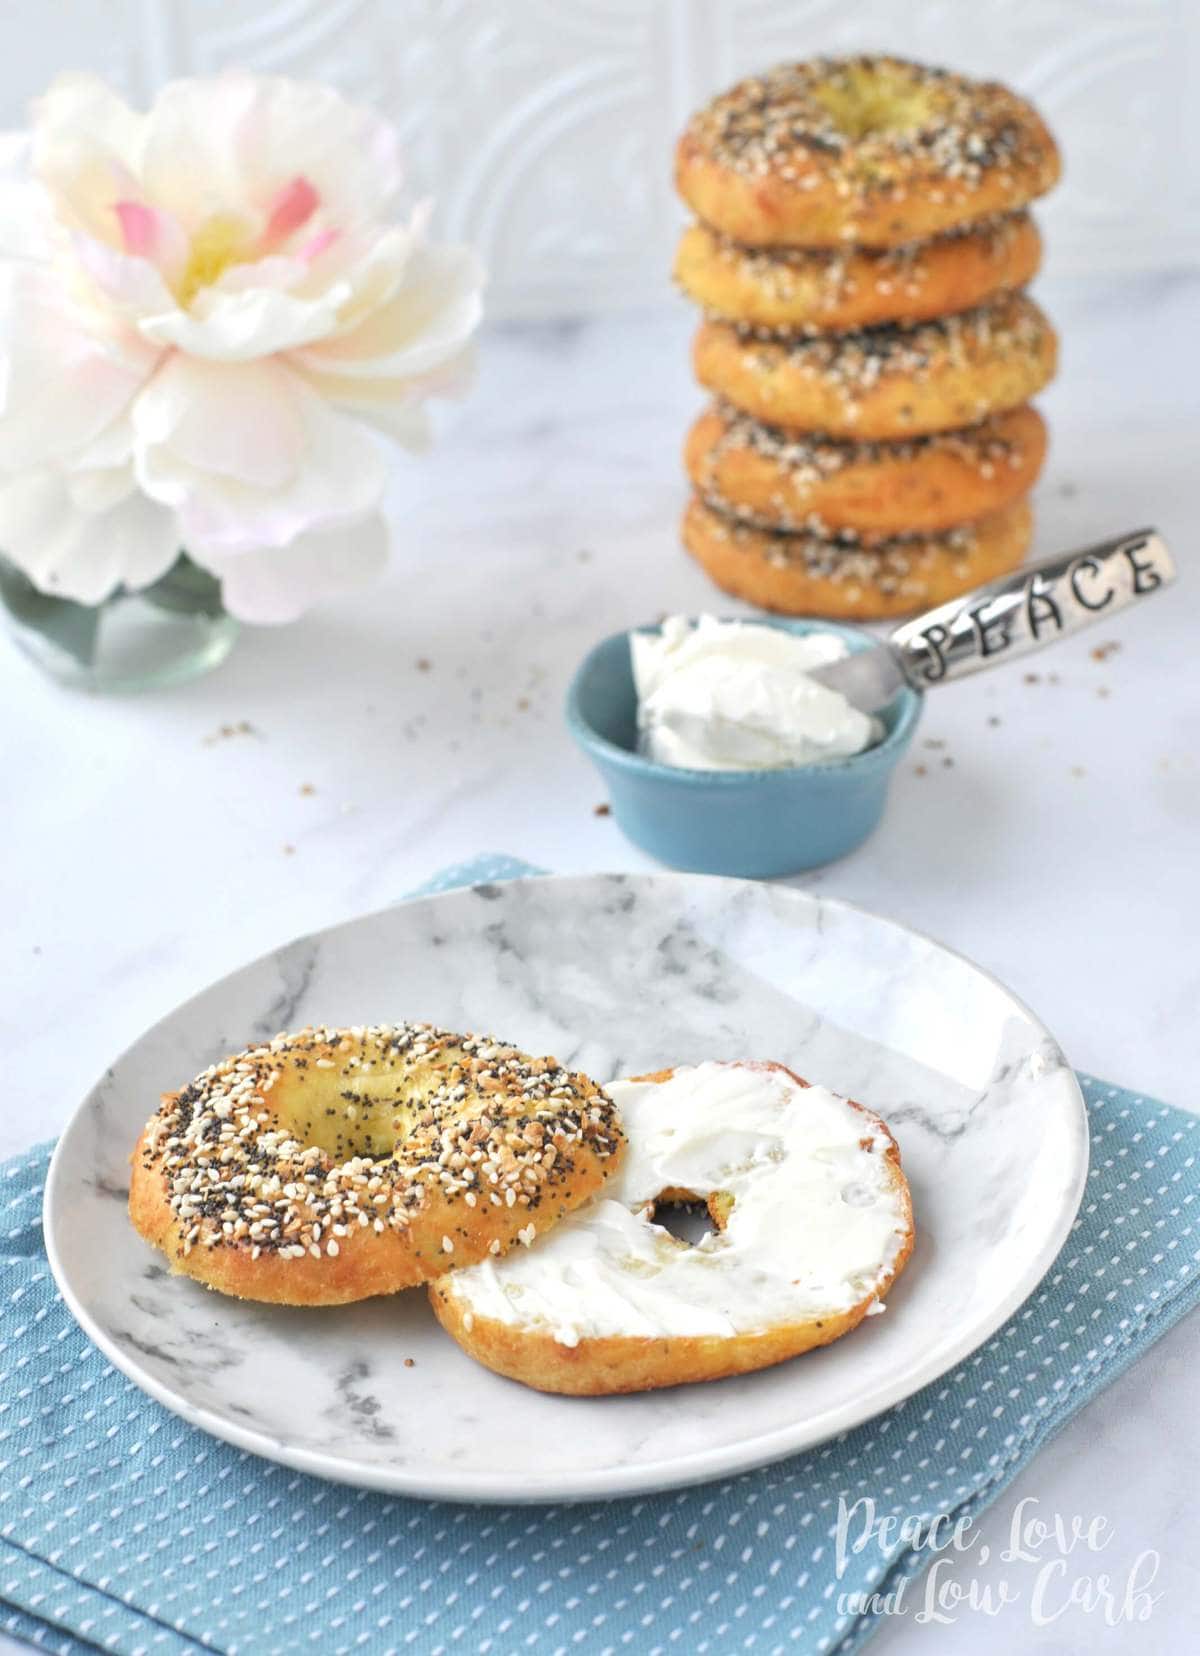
123	1529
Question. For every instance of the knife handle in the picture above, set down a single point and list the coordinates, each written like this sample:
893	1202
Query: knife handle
1031	608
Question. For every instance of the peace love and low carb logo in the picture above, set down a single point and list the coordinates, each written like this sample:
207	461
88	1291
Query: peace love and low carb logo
1052	599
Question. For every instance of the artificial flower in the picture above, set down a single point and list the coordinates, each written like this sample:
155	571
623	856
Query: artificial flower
209	316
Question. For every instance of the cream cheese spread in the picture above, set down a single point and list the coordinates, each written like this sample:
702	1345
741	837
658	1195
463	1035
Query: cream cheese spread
815	1225
736	695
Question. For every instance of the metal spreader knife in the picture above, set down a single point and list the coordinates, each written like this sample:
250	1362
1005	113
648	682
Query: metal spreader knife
1024	611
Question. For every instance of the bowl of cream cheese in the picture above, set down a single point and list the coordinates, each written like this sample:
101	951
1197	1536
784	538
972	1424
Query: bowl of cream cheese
721	754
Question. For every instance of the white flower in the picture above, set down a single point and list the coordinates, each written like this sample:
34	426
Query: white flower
208	314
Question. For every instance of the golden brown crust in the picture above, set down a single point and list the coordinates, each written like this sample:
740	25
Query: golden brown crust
333	1165
816	290
614	1365
887	383
874	151
803	575
617	1365
784	480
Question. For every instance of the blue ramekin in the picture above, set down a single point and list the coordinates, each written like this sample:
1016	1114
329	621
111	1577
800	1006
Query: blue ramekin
758	824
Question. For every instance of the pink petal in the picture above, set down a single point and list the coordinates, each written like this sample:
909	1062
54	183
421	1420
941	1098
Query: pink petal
149	234
139	227
293	206
313	248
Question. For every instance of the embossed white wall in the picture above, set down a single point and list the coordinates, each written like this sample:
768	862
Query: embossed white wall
544	127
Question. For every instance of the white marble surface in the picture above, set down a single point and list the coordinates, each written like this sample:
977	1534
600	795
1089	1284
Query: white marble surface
146	854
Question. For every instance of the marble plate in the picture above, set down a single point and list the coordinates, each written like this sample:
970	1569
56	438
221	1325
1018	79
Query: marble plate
615	974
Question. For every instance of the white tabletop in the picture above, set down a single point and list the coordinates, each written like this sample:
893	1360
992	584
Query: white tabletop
1047	829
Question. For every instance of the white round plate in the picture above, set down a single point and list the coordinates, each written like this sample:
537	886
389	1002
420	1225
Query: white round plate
615	974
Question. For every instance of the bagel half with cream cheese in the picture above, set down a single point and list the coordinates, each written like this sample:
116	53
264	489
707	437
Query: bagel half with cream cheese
813	1223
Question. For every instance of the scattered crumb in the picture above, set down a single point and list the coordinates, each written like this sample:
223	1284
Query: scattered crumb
948	763
920	770
1033	678
223	732
307	790
37	948
410	1362
933	742
289	850
1103	651
523	704
424	665
1053	678
993	718
1104	691
584	556
1068	491
1078	770
347	809
602	810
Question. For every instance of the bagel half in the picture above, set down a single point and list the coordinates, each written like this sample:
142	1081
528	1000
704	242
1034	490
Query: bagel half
335	1164
813	1223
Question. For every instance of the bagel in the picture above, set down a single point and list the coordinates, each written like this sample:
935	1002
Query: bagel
871	150
785	480
822	291
886	382
813	1225
840	577
334	1164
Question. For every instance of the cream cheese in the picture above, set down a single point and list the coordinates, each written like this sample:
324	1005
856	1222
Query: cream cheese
736	695
816	1222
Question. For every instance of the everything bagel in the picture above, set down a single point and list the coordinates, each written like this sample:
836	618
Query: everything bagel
821	290
875	151
334	1164
886	382
783	479
845	579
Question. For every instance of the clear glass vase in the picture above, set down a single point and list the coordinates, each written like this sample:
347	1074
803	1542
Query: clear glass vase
164	634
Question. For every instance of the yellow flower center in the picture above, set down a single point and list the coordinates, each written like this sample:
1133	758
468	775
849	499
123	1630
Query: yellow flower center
220	242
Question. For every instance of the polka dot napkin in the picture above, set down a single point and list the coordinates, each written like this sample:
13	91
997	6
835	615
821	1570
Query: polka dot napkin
123	1529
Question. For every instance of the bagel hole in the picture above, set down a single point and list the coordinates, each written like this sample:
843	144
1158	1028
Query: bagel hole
357	1118
868	100
690	1218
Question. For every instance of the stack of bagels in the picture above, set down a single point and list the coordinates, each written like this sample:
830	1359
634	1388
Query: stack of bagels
861	251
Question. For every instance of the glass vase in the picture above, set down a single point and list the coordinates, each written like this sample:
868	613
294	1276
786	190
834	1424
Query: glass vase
163	634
